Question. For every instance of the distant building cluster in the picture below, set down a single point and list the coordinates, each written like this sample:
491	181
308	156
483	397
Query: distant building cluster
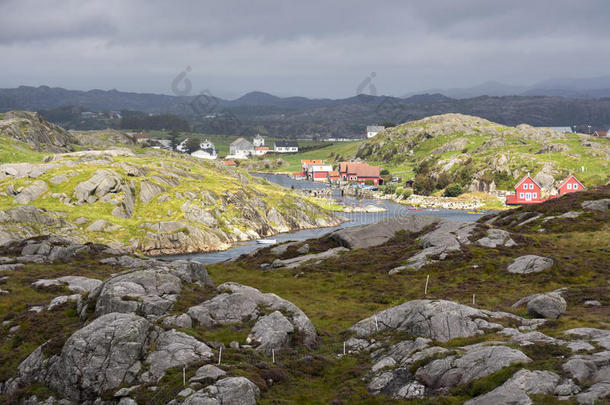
357	172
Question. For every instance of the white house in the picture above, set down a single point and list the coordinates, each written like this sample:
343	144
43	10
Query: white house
258	141
181	147
286	147
373	130
260	150
207	150
240	149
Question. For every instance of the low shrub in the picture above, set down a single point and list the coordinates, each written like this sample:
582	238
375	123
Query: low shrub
453	190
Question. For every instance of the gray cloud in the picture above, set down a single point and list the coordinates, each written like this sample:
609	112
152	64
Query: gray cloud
311	48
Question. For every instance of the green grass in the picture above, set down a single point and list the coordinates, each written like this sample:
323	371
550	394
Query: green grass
12	151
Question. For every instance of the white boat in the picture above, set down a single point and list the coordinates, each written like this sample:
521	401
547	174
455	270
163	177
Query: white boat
267	241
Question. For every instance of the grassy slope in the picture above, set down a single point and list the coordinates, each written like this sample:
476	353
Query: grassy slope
522	155
12	151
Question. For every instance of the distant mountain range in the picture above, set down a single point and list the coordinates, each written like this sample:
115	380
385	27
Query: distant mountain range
597	87
297	117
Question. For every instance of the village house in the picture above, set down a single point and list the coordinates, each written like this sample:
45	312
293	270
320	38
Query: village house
260	150
600	134
360	172
230	163
286	147
207	150
373	130
241	149
140	138
181	147
319	172
527	191
569	185
258	141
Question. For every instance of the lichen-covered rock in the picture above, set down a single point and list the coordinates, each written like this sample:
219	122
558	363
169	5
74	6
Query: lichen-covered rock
231	390
150	292
530	264
238	303
496	237
101	356
439	319
478	361
271	332
549	305
31	192
174	349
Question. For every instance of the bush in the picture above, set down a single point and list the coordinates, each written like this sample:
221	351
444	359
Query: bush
368	182
389	189
453	190
407	193
384	172
399	190
442	181
423	184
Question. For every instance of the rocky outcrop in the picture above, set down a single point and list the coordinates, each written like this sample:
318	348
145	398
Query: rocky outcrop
550	305
442	236
31	192
439	319
238	303
232	390
495	238
103	355
31	128
596	205
516	390
530	264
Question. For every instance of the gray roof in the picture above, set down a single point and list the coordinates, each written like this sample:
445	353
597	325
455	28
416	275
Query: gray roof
374	128
242	143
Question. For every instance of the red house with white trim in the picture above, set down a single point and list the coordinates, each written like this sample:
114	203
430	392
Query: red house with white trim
527	191
570	185
360	172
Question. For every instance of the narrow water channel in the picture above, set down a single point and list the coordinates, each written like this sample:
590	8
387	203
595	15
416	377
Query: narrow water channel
357	218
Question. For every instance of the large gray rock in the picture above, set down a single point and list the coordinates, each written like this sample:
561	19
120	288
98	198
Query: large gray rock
228	391
495	238
149	190
31	192
364	236
599	336
530	264
150	292
238	303
515	391
207	374
101	356
596	205
174	349
436	319
271	332
100	184
299	260
591	369
549	305
77	284
478	361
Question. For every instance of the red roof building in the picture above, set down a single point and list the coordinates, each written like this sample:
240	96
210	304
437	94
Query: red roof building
570	185
600	134
229	163
360	172
527	191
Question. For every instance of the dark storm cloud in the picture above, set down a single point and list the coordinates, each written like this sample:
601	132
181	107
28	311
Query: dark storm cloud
315	48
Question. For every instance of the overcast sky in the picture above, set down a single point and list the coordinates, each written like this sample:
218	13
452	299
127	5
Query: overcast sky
309	48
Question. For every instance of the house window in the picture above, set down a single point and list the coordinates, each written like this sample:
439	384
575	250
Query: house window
520	195
569	186
535	195
575	186
531	186
528	196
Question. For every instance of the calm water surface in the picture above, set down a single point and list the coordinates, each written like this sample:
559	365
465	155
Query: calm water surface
357	218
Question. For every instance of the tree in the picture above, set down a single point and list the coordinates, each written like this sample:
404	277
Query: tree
442	181
453	190
384	172
423	184
173	136
191	145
